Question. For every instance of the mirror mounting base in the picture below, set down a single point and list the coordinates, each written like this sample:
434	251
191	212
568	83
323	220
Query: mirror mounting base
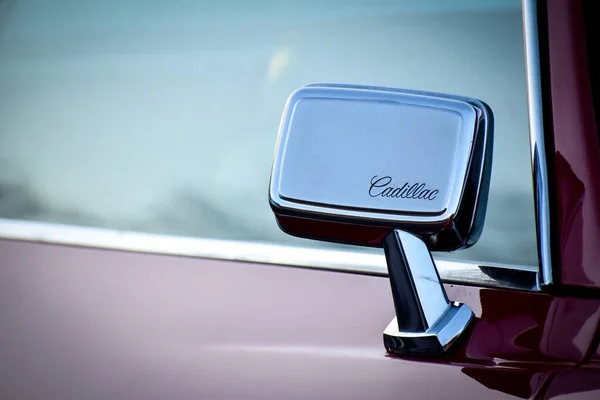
434	342
426	322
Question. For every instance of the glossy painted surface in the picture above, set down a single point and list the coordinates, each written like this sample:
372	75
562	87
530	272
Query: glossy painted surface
595	357
576	158
82	322
578	384
523	327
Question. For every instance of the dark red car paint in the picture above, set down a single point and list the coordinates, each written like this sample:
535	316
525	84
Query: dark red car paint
123	325
88	323
79	323
576	154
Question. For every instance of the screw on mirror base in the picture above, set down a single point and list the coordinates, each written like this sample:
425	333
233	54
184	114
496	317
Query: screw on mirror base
433	342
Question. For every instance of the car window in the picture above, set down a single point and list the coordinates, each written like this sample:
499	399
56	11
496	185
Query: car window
161	116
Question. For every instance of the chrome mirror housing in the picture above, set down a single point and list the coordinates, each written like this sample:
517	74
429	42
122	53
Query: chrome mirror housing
404	170
370	160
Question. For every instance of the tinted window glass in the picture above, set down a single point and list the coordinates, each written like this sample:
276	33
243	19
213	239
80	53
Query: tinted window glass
161	116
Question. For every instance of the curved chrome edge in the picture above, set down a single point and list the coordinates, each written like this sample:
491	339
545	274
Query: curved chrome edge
463	273
536	137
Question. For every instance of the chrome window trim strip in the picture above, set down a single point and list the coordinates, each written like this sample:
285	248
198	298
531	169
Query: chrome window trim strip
243	251
536	137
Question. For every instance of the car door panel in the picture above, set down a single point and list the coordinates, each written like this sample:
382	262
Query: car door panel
573	144
81	323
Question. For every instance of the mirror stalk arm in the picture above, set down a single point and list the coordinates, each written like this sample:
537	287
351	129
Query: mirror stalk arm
426	322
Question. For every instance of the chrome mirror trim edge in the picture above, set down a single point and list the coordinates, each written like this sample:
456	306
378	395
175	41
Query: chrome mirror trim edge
536	136
451	272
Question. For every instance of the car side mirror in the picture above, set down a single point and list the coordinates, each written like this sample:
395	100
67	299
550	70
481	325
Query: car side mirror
404	170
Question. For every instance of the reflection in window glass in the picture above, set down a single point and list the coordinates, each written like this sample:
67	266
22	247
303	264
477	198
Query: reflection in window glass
161	116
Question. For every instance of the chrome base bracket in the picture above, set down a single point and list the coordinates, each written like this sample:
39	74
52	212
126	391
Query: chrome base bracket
426	322
433	342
